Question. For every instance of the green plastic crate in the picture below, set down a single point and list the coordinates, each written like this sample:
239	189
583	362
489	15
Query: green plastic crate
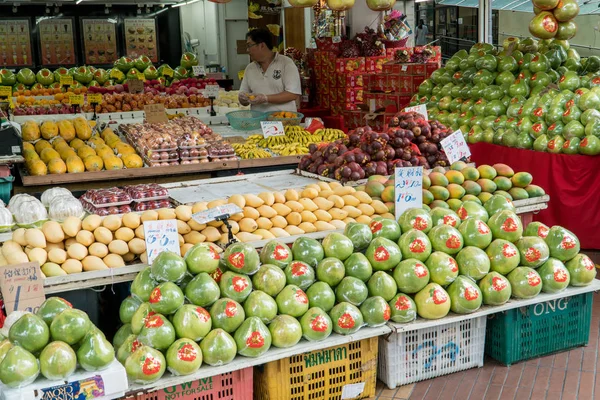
6	187
540	329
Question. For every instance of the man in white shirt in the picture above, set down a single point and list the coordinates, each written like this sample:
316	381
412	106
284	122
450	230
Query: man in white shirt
271	81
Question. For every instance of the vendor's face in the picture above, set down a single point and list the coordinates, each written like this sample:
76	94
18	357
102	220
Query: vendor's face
253	49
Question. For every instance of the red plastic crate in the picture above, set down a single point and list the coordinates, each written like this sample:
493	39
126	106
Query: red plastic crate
236	385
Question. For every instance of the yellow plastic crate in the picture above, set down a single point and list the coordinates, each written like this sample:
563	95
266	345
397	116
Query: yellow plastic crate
320	374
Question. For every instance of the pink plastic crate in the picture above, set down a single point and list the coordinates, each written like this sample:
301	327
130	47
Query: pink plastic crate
236	385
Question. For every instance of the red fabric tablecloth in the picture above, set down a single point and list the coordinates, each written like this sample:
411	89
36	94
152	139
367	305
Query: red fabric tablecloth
572	181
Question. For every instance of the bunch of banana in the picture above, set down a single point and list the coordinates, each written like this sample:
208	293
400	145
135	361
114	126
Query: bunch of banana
274	141
329	135
247	151
254	139
293	149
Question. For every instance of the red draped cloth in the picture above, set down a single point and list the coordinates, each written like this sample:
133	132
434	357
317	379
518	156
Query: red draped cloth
572	181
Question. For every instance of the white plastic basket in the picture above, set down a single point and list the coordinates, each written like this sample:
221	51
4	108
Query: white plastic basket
416	355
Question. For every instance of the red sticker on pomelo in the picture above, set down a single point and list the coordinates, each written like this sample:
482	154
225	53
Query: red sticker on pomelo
566	144
462	213
560	275
376	226
450	220
256	340
66	302
237	259
403	303
571	102
533	279
301	297
319	324
552	144
239	283
150	366
420	224
537	128
298	269
532	254
542	231
508	251
588	263
346	321
136	344
482	228
538	112
420	270
155	296
214	253
596	80
154	321
439	297
417	246
453	242
568	242
471	293
387	312
381	254
509	225
584	142
216	275
187	352
230	309
499	284
280	253
453	265
203	315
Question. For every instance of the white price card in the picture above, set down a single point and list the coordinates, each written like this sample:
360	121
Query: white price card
272	128
206	216
336	39
199	70
455	147
352	390
161	236
211	91
408	183
420	109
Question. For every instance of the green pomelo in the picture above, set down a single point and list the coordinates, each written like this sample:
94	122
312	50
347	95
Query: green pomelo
376	311
321	295
121	335
227	314
445	216
384	227
157	332
183	357
270	279
252	338
139	317
525	282
166	298
473	262
242	258
563	244
261	305
415	244
128	307
95	353
383	254
202	257
465	296
58	361
504	256
351	290
276	253
300	274
19	368
472	209
475	233
331	271
51	307
316	324
495	289
359	234
555	276
533	251
403	308
358	266
168	267
443	269
202	291
143	284
192	322
382	284
506	225
411	276
285	331
218	348
582	271
346	318
292	301
415	218
432	302
31	332
308	250
446	239
145	365
337	245
235	286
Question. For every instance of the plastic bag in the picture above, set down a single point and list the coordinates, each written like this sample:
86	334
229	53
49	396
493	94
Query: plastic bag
51	194
30	213
64	206
6	220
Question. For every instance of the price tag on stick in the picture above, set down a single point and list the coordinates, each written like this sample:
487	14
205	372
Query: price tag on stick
455	147
199	70
95	98
155	113
5	92
135	86
408	183
420	109
161	236
22	287
272	128
211	91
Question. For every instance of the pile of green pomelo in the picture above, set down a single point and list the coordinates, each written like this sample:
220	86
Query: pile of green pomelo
207	307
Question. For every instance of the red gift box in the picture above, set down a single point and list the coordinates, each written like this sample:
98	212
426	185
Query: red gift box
351	80
378	83
430	67
375	64
356	64
354	96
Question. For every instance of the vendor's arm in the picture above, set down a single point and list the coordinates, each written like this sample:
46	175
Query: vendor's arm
244	91
281	98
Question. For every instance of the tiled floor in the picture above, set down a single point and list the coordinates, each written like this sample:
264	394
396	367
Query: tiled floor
564	376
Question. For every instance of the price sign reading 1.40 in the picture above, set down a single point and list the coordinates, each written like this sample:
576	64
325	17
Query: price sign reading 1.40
408	188
161	236
455	147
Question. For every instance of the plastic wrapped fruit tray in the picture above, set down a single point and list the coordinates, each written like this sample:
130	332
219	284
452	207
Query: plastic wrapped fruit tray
104	211
161	163
193	153
111	197
147	192
151	205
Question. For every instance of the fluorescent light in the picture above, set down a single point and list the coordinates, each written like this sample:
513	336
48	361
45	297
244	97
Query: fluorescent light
421	1
185	3
78	1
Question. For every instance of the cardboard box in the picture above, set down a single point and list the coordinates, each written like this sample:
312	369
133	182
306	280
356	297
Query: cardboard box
431	67
353	96
351	80
343	65
110	383
405	68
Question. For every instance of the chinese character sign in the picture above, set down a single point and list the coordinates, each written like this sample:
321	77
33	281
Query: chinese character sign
408	189
161	236
455	147
22	287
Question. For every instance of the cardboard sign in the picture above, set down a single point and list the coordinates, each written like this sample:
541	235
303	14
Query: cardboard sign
161	236
352	390
95	98
206	216
455	147
76	99
66	80
155	113
408	188
5	91
420	109
167	71
22	287
272	128
199	70
211	91
135	86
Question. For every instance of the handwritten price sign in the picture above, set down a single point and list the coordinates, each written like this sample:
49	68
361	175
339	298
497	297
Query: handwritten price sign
206	216
272	128
455	147
420	109
408	188
22	287
161	236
